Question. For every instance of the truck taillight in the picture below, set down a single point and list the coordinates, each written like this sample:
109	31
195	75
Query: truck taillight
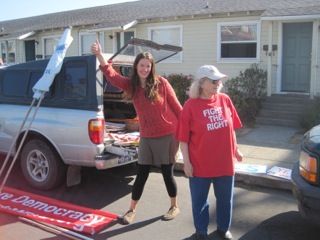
96	130
308	167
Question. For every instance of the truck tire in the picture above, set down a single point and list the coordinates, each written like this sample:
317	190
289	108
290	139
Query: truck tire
41	166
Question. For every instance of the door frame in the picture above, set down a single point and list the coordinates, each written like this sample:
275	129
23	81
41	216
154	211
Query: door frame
314	53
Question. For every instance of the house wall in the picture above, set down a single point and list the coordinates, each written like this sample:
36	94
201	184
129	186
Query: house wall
199	38
316	65
273	39
20	55
109	43
200	46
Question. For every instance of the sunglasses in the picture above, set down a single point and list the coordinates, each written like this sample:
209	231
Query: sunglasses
215	81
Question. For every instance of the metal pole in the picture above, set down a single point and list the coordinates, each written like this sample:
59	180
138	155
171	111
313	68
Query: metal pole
55	229
15	139
21	143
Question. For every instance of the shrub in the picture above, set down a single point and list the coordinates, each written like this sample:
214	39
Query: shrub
180	84
311	114
247	92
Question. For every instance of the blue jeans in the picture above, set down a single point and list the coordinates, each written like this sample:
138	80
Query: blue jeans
223	191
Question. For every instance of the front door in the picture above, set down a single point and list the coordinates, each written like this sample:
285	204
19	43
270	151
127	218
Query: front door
296	62
30	50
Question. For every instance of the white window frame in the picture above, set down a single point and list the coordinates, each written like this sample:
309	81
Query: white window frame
43	39
7	52
237	60
114	34
99	35
178	59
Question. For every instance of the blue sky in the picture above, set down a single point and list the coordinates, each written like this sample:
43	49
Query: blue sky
14	9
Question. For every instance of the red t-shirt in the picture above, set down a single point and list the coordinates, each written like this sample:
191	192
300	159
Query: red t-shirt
207	125
156	119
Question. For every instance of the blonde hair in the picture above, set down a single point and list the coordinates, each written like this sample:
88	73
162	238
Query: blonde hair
196	89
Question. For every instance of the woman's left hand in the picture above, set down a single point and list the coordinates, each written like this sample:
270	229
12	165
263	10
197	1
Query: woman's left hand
96	48
188	169
239	155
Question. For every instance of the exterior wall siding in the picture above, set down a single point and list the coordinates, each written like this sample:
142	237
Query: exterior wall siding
199	38
316	67
274	55
200	45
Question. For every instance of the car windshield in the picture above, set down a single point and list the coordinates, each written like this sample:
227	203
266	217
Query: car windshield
134	46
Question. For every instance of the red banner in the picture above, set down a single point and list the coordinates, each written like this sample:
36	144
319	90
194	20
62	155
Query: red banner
54	212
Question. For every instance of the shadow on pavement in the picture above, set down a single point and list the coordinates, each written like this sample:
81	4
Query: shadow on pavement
288	226
126	228
93	191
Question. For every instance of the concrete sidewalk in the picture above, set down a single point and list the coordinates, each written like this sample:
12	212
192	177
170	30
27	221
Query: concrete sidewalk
268	146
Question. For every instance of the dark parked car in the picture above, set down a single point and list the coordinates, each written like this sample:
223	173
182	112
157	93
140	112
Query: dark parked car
305	176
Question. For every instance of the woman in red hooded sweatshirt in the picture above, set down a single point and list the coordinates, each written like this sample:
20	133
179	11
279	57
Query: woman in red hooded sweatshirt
158	110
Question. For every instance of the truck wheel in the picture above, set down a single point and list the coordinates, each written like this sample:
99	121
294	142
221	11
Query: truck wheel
41	166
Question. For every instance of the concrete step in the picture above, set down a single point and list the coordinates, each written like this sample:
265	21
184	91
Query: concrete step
290	98
280	114
277	121
296	108
283	110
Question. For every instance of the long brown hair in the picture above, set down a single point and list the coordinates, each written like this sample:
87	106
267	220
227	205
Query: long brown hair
152	82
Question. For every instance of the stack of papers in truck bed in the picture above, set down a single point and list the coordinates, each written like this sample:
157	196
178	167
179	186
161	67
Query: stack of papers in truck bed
123	144
115	127
124	139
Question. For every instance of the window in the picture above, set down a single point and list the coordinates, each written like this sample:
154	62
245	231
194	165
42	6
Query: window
8	51
34	78
238	41
168	35
122	38
15	84
50	45
86	41
75	81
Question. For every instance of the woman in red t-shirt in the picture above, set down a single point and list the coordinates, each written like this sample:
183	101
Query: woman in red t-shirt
208	143
158	110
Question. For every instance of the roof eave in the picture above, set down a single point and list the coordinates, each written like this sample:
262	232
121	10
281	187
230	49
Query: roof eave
291	17
203	16
115	27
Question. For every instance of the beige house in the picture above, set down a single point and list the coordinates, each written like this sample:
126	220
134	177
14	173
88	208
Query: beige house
282	36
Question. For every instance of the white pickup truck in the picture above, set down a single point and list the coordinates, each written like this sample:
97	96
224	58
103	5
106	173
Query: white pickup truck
73	126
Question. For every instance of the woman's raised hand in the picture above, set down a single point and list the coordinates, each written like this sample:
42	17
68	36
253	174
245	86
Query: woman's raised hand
96	48
97	51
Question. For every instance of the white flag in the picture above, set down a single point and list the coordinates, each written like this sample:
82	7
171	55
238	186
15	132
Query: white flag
54	65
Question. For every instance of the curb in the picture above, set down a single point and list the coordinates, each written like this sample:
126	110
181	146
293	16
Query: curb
257	180
263	180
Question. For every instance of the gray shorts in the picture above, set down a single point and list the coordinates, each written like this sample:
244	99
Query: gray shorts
157	151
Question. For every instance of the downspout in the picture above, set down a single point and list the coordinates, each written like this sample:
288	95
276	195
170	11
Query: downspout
269	66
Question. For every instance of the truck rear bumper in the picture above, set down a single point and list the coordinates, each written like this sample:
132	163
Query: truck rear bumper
110	160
